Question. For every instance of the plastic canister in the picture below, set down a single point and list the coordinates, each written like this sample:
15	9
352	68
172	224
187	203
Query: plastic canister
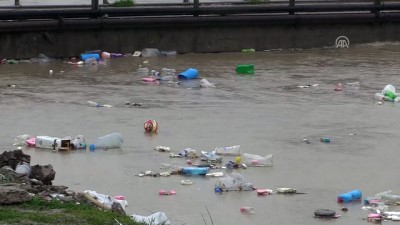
245	68
189	74
85	56
48	142
350	196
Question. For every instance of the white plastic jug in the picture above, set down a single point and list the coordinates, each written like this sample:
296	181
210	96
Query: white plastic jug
48	142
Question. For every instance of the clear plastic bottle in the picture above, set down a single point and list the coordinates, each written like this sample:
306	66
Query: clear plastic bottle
228	150
248	210
113	140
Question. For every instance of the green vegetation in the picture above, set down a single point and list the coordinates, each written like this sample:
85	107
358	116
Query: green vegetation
123	3
56	212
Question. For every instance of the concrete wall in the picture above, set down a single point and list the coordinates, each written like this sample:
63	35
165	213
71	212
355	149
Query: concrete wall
197	35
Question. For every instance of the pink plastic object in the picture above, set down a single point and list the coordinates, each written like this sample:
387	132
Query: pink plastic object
189	162
339	87
119	197
171	192
31	142
247	210
264	191
105	55
372	217
149	79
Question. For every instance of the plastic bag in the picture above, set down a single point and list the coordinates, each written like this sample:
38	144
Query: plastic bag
233	182
158	218
21	139
256	160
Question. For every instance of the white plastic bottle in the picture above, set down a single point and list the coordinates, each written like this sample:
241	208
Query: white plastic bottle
113	140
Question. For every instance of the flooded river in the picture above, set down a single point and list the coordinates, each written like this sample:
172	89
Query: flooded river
265	113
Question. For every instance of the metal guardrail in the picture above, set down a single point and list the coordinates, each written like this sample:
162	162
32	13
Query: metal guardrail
96	11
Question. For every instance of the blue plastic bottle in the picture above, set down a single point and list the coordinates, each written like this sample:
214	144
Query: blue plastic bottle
195	170
350	196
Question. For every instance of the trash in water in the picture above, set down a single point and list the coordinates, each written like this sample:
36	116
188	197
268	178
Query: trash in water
188	152
325	213
352	88
374	217
195	170
233	182
137	53
85	56
264	192
151	126
215	174
229	150
206	84
234	165
285	190
211	157
256	160
186	182
325	140
97	105
339	87
248	210
350	196
109	141
158	218
189	74
20	140
163	192
161	148
306	140
245	69
134	104
388	94
308	86
165	174
247	50
149	79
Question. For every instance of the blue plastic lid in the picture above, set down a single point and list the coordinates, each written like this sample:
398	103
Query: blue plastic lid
92	147
217	190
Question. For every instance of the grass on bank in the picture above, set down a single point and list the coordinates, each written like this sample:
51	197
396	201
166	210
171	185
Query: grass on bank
56	212
123	3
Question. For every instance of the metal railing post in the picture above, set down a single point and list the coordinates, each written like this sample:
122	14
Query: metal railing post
196	4
377	3
291	4
95	4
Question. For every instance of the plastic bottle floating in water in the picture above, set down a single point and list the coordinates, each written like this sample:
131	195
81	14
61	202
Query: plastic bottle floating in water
248	210
163	192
